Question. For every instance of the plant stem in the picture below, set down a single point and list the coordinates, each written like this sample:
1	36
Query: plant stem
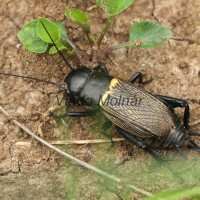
118	46
90	39
107	26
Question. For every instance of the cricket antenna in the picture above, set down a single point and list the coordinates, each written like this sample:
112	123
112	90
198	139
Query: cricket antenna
60	53
36	79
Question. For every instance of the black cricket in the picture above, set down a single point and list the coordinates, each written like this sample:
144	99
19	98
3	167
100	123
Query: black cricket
150	124
162	130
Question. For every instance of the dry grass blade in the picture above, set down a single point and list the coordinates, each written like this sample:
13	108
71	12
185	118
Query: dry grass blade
74	159
61	142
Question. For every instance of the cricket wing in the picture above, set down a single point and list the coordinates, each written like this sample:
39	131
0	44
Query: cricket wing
137	111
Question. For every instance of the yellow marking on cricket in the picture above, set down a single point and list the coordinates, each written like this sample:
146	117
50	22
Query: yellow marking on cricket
113	83
104	97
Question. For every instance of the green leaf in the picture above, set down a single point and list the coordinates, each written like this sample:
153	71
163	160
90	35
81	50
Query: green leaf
79	17
52	29
59	46
114	7
29	38
145	34
63	30
176	194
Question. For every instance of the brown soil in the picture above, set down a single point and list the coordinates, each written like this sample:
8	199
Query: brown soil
35	172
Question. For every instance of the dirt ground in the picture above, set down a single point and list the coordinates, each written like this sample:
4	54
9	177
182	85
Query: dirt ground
32	171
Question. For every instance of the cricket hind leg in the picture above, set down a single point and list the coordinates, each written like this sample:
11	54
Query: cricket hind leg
174	102
138	143
152	152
